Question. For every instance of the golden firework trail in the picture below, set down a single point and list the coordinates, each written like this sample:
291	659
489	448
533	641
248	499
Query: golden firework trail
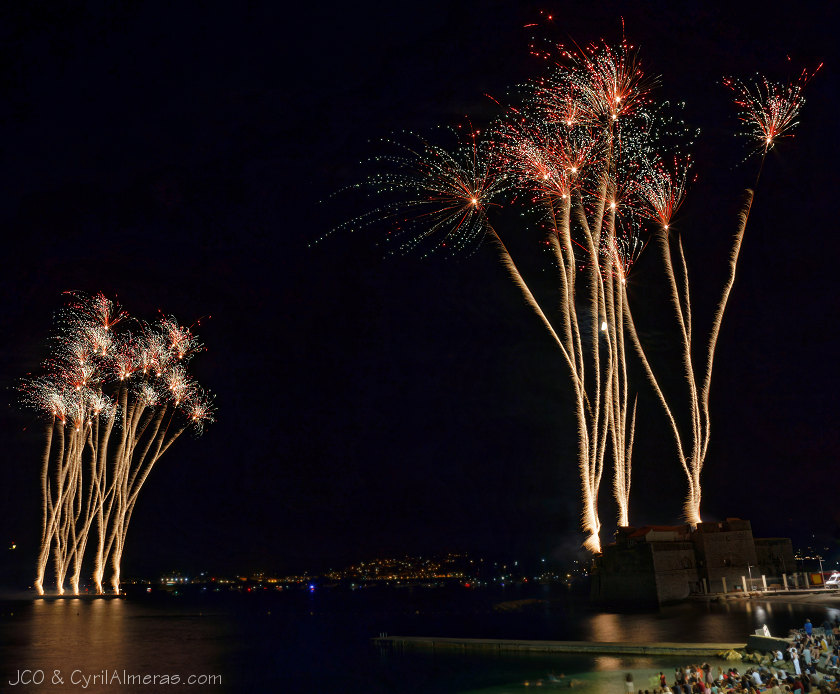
769	110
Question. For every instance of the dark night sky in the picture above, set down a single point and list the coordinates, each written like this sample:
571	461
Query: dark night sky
177	159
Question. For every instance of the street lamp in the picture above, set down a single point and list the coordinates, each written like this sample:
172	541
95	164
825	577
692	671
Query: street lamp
749	571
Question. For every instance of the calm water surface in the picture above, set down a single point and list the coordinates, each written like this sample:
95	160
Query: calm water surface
321	643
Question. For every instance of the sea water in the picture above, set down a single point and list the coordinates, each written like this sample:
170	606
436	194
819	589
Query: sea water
322	642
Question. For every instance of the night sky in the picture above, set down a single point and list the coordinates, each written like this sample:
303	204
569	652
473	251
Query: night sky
179	159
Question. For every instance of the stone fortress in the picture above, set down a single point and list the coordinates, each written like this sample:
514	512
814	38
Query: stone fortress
659	564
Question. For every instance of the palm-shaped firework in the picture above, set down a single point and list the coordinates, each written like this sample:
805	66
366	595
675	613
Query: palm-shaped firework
116	394
604	165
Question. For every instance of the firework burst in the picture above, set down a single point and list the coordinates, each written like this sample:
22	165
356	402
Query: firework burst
439	197
769	110
663	190
99	379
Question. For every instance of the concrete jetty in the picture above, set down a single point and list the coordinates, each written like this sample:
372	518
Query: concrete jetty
595	648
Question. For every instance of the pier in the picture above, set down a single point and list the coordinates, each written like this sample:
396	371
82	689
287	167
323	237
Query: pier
526	646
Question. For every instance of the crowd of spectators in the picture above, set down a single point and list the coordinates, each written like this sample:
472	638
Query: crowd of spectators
811	663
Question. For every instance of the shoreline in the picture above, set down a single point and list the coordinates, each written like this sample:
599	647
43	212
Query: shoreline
609	678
